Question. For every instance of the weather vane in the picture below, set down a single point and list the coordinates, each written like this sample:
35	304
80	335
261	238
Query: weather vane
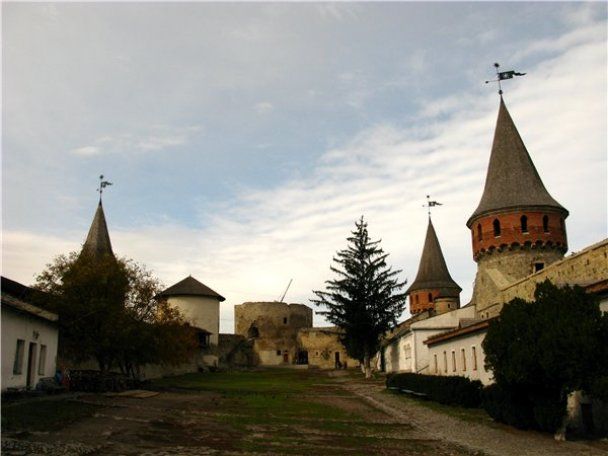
429	204
502	75
102	184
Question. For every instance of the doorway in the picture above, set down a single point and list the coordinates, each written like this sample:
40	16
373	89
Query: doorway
338	364
285	356
31	365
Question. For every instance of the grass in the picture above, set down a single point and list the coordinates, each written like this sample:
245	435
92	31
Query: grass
44	415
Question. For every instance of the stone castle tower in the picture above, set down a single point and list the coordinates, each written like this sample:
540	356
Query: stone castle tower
433	288
518	228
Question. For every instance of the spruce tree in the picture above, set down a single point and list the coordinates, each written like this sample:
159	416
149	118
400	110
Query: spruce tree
363	300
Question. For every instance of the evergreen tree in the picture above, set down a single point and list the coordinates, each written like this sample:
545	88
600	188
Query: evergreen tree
363	301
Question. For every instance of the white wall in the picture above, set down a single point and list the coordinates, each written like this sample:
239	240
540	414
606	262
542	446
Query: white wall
200	311
470	343
16	325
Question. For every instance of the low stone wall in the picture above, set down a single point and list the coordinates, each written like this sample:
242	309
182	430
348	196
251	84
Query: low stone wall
324	348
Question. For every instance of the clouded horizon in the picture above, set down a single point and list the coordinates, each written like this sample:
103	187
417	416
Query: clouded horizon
245	139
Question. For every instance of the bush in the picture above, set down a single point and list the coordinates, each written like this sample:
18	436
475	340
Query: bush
524	409
445	390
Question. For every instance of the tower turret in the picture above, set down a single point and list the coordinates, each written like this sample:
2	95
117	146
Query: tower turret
98	240
518	227
433	282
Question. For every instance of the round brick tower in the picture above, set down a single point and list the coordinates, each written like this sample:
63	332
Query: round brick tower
518	228
433	288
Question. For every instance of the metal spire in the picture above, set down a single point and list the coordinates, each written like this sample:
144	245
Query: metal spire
429	204
102	184
502	75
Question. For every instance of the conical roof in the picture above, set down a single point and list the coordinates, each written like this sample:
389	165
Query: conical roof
98	240
433	272
191	287
512	181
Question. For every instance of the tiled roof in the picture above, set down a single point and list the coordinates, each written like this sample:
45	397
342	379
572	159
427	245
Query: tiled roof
191	287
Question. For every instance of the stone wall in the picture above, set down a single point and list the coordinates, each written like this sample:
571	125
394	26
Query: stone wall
324	348
273	327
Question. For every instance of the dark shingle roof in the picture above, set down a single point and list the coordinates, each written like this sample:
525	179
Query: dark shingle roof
512	181
98	240
433	272
191	287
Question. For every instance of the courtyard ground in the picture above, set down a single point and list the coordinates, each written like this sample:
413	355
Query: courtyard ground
273	412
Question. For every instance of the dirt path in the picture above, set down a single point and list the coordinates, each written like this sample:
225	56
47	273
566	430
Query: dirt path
493	440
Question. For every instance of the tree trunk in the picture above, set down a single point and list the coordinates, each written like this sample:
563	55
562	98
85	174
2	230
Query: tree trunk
367	364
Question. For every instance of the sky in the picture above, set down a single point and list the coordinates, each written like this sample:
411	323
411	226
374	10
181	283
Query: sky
243	140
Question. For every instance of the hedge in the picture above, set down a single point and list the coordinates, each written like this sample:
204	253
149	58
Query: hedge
450	390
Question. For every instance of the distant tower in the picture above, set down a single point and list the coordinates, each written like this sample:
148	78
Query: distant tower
518	228
433	288
98	242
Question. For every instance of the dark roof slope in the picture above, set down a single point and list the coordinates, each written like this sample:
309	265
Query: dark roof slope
191	287
512	180
98	240
433	272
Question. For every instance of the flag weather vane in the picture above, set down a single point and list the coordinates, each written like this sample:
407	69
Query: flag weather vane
102	184
429	204
502	75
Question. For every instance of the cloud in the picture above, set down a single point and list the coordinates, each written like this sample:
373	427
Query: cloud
86	151
263	107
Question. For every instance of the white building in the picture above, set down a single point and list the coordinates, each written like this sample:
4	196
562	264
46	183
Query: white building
29	338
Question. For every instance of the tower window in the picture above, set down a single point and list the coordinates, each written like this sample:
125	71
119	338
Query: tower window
479	231
417	299
539	267
285	320
561	224
430	297
546	223
496	225
524	224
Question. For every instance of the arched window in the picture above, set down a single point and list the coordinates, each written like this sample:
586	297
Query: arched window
524	224
546	223
496	225
430	297
479	231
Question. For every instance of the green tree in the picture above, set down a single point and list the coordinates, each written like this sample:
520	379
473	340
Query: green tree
363	300
543	350
108	311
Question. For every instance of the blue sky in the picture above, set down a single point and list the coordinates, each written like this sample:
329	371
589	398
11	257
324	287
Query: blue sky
244	139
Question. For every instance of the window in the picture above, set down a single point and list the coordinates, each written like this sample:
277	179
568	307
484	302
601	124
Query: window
436	368
464	360
18	365
278	352
445	361
42	360
496	225
546	223
417	300
453	361
479	231
203	340
562	225
285	320
430	297
474	357
524	224
539	267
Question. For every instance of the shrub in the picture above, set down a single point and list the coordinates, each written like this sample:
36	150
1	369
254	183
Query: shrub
445	390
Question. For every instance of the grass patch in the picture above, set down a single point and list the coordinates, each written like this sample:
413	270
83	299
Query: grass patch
44	415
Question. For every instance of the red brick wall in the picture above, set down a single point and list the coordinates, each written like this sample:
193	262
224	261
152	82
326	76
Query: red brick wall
419	300
511	231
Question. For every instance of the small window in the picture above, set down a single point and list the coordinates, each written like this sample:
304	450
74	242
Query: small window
278	352
479	231
496	225
524	224
546	223
430	297
436	367
453	361
285	320
539	267
417	299
562	225
464	360
42	360
445	361
18	365
474	358
203	340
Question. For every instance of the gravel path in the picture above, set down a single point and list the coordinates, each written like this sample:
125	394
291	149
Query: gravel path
499	441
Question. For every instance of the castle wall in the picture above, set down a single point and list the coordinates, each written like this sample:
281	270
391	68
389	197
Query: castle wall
322	344
273	327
